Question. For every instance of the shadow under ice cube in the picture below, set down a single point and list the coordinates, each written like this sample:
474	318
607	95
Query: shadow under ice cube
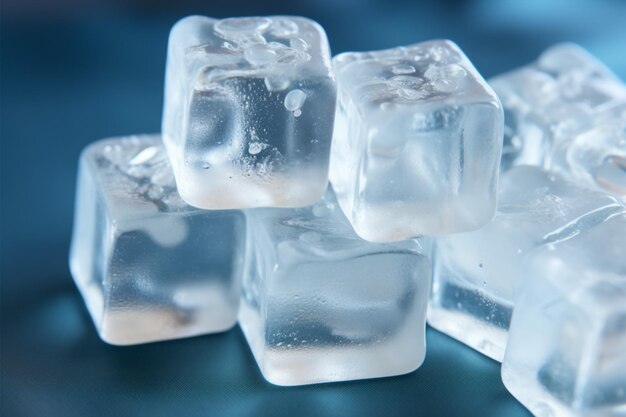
320	304
417	142
249	110
566	354
149	266
478	274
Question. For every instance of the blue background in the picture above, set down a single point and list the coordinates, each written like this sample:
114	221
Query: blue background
76	71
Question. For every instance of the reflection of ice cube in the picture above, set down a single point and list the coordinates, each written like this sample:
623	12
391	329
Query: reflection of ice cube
572	309
320	304
139	252
249	106
478	274
417	142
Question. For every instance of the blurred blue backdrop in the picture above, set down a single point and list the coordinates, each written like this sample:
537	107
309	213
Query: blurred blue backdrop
75	71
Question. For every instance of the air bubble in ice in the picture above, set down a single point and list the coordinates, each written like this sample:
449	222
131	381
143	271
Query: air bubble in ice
294	100
256	147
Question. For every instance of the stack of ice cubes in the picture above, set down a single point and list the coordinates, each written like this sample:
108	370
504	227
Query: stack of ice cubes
228	216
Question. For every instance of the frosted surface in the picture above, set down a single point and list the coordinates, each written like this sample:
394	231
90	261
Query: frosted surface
417	142
477	275
320	304
566	112
573	308
597	155
149	266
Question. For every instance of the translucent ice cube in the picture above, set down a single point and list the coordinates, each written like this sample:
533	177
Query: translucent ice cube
320	304
249	109
478	274
566	354
417	142
149	266
597	155
551	100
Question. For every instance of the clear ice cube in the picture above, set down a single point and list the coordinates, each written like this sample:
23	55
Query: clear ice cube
417	142
249	110
477	274
149	266
553	100
320	304
566	354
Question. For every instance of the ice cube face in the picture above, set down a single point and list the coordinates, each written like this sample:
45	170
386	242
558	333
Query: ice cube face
320	304
417	142
549	102
477	275
149	266
249	110
566	354
596	156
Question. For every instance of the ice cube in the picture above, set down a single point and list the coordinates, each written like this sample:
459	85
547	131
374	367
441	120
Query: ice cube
249	109
149	266
320	304
417	142
596	156
478	274
562	94
566	354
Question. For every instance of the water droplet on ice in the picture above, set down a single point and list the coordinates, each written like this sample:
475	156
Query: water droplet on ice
259	55
276	83
294	100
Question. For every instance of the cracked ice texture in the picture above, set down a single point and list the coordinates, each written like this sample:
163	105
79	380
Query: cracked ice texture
321	304
249	110
566	354
567	113
417	142
149	266
477	275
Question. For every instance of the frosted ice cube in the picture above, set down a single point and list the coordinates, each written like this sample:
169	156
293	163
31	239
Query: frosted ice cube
566	354
417	142
320	304
596	156
149	266
249	109
551	100
477	275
